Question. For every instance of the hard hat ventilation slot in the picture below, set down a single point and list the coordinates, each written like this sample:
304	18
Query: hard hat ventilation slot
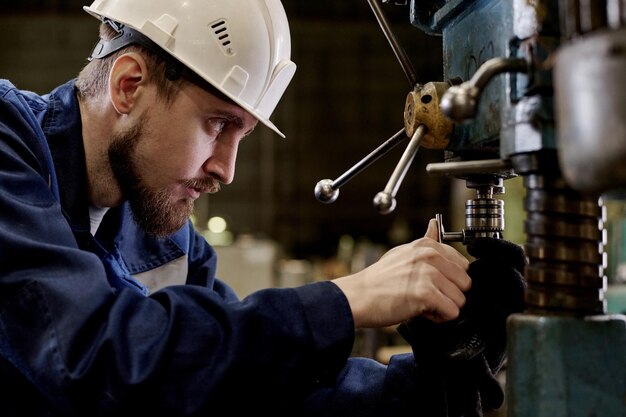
222	36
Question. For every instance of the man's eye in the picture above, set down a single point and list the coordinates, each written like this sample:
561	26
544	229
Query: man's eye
217	125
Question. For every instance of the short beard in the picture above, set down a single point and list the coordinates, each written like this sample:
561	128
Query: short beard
153	210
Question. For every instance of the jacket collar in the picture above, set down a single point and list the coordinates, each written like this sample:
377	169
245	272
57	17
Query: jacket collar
63	128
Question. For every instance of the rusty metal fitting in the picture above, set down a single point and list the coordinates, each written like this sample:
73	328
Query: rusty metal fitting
422	108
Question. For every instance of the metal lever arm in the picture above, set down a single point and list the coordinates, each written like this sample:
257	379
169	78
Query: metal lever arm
401	55
385	201
327	190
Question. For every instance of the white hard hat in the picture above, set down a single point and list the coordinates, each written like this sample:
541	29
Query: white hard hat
241	47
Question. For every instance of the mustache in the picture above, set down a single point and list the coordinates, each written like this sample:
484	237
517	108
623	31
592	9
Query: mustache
206	185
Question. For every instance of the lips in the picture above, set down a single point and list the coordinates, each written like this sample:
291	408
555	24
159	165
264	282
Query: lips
195	188
204	190
193	193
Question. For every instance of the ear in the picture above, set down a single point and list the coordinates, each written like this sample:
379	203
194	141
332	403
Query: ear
127	77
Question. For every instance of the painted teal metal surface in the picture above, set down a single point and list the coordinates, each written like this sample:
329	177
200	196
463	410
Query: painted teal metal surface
514	115
557	366
566	367
481	32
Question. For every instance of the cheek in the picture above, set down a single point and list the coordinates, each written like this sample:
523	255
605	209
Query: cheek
183	152
165	157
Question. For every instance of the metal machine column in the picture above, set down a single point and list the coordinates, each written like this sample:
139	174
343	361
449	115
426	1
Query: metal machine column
566	356
534	89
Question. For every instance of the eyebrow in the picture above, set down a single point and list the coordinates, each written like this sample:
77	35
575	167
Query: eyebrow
234	119
231	117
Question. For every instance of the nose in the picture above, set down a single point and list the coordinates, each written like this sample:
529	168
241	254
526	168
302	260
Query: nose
221	163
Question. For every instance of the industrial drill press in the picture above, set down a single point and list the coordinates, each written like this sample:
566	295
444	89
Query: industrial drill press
534	89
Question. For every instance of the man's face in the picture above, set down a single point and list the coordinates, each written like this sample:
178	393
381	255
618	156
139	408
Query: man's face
172	154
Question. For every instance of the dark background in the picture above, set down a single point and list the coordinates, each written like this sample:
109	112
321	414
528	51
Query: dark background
347	97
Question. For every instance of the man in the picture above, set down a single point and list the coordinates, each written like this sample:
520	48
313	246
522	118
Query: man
98	181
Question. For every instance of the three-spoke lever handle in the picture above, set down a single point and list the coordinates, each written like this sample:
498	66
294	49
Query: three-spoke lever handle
327	190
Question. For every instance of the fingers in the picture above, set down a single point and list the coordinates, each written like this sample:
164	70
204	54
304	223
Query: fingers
455	273
441	316
443	270
425	252
433	230
447	260
421	277
431	239
443	310
452	290
444	300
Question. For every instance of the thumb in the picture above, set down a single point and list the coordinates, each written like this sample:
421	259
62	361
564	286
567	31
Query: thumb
433	230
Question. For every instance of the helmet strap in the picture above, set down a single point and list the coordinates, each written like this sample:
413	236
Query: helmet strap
173	68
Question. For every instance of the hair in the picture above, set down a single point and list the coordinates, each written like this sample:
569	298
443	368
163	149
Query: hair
92	80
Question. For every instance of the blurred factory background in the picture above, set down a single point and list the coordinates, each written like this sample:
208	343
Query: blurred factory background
346	99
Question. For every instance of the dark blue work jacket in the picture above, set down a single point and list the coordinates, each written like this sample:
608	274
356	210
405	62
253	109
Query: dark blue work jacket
80	334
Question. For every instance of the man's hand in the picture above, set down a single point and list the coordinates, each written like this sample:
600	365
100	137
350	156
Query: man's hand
421	278
464	355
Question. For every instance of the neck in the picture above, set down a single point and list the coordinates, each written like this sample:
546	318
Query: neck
96	118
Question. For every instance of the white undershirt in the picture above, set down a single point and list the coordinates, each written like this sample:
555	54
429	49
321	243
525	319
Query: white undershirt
95	217
170	273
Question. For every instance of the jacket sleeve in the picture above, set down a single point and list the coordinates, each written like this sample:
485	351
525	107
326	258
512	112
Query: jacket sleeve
88	349
362	387
367	388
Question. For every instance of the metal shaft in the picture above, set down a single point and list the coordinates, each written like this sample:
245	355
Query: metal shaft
401	55
327	190
370	158
385	201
